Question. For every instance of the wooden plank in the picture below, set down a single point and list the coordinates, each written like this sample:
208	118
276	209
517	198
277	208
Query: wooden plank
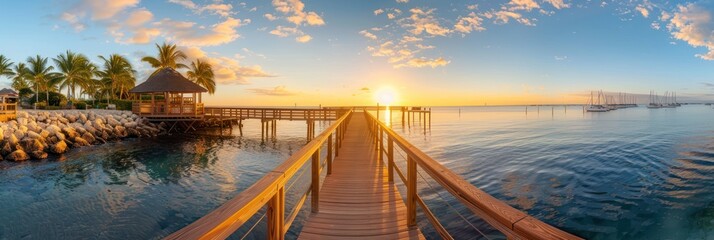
357	201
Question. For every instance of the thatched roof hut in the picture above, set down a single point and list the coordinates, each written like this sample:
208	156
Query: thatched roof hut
168	80
168	94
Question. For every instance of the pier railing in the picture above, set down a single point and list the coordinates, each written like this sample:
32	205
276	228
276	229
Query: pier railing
270	190
273	113
511	222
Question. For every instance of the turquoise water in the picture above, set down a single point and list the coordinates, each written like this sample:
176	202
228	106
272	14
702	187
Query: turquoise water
140	188
627	174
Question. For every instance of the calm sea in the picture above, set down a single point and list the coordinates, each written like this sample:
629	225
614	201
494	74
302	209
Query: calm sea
627	174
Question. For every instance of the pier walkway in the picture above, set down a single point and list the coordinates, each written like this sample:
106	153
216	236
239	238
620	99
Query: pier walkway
357	200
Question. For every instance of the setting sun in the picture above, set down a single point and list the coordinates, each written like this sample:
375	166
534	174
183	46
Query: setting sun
385	96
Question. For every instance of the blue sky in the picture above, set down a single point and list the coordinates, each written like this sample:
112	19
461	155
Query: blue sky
304	52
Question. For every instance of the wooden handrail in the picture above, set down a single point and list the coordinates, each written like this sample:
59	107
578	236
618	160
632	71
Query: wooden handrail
268	191
512	222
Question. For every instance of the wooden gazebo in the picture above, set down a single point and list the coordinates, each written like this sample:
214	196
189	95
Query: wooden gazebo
168	96
8	104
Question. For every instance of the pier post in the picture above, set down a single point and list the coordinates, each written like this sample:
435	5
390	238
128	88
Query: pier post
329	154
338	135
411	191
276	215
316	181
380	157
390	159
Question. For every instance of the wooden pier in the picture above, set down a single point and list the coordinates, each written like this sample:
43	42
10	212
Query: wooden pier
359	199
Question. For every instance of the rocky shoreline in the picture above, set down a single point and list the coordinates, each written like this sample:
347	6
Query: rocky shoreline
36	133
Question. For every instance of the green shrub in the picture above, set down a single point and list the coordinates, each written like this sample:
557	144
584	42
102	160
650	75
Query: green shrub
55	98
80	105
102	106
51	108
122	104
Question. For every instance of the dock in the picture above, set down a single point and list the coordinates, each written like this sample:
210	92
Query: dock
358	198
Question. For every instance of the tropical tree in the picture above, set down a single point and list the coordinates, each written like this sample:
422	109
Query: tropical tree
118	74
19	78
5	67
40	75
74	69
202	74
169	56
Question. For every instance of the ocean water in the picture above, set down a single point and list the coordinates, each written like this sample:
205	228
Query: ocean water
633	173
627	174
142	188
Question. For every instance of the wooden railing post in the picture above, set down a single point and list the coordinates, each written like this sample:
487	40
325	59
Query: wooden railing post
276	215
390	159
337	140
381	145
411	191
329	154
316	181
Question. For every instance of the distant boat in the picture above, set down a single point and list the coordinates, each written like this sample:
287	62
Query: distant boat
596	107
654	101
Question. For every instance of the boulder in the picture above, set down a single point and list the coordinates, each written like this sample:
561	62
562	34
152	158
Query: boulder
18	155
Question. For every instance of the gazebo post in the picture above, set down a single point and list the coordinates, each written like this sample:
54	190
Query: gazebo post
153	104
181	102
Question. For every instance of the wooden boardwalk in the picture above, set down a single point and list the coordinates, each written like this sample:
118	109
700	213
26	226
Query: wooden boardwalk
357	201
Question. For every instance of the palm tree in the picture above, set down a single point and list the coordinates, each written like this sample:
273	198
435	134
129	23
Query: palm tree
117	73
19	79
169	56
5	67
74	69
202	74
40	75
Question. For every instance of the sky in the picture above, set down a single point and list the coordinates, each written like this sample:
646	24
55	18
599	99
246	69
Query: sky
431	53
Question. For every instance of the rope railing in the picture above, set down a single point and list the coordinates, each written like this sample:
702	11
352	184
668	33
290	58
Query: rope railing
512	222
269	191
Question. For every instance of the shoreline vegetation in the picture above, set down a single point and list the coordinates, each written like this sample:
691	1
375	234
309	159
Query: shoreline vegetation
40	81
35	133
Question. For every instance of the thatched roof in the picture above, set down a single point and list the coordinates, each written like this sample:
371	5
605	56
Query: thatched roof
167	80
8	92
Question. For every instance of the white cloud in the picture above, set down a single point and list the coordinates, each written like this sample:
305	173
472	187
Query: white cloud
558	4
279	91
186	33
523	5
402	1
378	11
503	17
645	13
425	22
424	62
281	31
185	3
139	17
270	17
303	39
692	23
655	25
226	70
223	10
469	23
73	20
367	34
295	12
561	58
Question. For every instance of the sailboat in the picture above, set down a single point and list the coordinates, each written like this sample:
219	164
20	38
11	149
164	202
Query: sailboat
592	107
654	101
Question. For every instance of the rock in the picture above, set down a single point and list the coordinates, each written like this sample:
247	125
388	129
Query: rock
31	145
18	155
38	154
89	137
59	148
80	142
6	149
